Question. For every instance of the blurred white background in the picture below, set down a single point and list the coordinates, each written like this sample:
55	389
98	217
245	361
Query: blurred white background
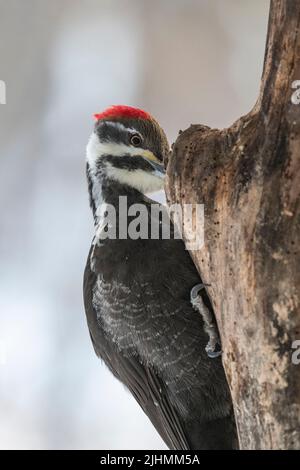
185	61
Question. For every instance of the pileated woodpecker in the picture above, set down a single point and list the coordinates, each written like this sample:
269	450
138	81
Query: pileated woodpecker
137	293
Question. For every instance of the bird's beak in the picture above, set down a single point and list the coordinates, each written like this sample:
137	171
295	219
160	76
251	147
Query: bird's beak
158	168
157	165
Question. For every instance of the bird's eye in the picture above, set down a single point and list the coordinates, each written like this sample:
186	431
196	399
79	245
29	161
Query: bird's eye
136	140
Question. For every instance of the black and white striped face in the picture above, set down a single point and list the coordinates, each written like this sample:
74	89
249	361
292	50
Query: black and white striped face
130	151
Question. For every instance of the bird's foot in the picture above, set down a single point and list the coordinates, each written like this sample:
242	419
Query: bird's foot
213	347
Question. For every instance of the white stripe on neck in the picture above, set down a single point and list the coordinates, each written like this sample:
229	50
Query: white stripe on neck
143	181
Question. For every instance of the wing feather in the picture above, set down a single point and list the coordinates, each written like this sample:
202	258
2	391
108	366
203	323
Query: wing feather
142	380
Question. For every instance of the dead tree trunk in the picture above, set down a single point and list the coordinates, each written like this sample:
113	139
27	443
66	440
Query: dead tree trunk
248	177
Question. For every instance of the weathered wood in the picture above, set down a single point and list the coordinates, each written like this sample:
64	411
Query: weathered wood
248	177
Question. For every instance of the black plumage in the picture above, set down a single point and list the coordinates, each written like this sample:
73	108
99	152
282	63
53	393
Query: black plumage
143	326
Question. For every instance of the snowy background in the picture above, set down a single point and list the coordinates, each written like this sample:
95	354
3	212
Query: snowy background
185	61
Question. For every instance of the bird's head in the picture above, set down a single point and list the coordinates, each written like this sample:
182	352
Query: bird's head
127	146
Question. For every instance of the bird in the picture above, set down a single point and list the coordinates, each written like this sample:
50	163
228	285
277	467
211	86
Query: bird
137	290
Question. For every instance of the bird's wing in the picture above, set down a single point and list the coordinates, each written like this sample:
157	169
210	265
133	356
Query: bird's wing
140	379
149	392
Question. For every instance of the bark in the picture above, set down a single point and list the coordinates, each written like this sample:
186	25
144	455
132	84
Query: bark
248	177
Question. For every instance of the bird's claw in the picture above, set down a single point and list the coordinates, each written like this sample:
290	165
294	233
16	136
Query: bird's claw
209	325
195	291
211	351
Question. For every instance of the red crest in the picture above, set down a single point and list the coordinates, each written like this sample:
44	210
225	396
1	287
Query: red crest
119	111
